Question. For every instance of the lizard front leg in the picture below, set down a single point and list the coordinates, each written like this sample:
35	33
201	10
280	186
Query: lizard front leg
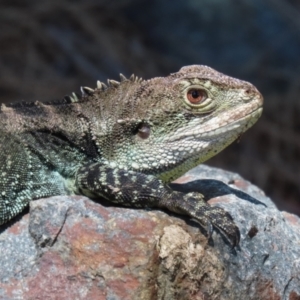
134	189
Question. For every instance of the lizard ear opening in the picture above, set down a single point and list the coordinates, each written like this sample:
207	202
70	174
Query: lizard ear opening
143	130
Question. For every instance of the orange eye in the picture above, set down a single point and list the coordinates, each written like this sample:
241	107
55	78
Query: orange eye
195	96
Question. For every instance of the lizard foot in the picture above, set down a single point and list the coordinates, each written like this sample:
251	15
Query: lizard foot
208	216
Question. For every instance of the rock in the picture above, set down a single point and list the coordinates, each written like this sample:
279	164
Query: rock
75	248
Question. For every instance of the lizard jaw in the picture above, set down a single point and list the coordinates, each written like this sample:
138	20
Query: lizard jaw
236	128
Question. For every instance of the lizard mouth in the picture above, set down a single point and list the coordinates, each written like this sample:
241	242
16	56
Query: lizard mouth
235	128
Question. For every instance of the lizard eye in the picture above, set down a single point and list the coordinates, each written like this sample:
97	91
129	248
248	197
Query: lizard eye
143	130
196	96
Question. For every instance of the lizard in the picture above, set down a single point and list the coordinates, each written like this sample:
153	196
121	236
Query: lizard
125	142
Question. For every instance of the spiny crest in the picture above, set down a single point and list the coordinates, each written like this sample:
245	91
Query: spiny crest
71	98
4	108
122	77
101	86
87	91
74	98
116	84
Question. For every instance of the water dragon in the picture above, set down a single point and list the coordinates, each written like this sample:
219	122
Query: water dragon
126	141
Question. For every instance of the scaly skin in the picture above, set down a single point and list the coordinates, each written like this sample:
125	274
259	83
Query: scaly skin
126	142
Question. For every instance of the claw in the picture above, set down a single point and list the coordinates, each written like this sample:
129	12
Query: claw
234	238
209	217
209	229
237	238
231	233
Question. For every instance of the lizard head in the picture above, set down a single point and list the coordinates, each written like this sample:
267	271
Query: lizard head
168	125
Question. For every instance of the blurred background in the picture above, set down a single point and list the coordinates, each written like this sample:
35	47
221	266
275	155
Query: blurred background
50	48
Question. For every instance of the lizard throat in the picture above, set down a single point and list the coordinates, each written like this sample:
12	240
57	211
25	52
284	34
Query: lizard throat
204	146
